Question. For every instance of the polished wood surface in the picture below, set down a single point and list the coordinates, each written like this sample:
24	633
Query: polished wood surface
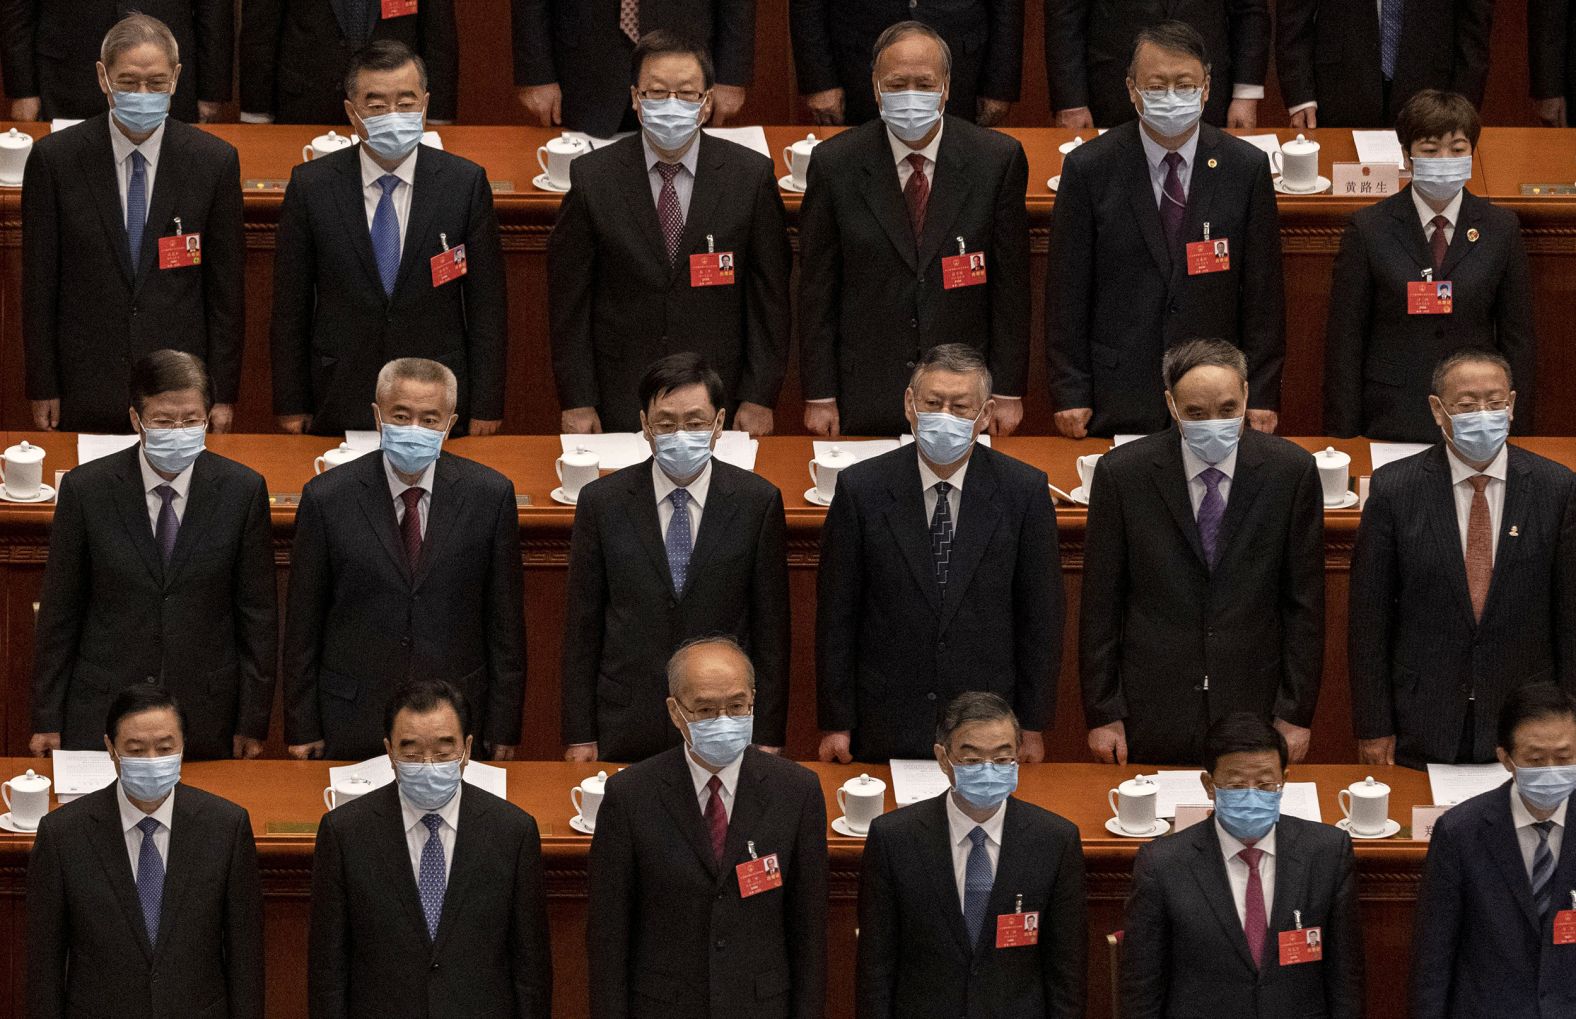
285	801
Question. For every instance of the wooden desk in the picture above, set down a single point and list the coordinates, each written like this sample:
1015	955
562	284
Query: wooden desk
288	794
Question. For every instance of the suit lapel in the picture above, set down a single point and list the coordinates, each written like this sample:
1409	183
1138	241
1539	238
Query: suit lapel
185	855
640	509
974	530
1209	870
716	522
1461	243
1518	494
168	182
708	187
1444	528
393	859
905	516
132	501
378	506
1012	869
936	849
444	509
885	199
202	497
1171	481
950	190
1500	843
1409	231
1141	197
420	244
109	842
97	161
470	839
641	209
1291	893
1565	867
353	213
683	805
1202	180
1246	482
744	825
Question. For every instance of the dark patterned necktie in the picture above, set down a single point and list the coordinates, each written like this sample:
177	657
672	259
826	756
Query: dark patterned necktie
1211	509
169	526
1173	200
941	533
1439	243
917	194
716	819
669	212
410	527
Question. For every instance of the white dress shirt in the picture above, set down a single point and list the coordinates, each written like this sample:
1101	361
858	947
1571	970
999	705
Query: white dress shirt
152	479
959	825
1155	155
929	480
1192	467
1237	870
122	147
397	492
416	833
701	777
1426	213
901	151
1461	487
1522	818
697	501
372	191
683	181
132	815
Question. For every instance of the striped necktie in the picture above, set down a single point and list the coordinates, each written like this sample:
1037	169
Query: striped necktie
1543	871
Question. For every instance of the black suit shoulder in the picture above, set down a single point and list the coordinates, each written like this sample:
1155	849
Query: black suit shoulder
981	143
222	812
1275	450
331	485
1323	840
1470	813
1010	471
1547	474
197	143
1233	152
745	483
1042	823
878	471
470	472
782	772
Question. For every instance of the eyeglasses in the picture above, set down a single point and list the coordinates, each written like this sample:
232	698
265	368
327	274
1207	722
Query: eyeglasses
1263	787
157	84
657	95
161	424
447	758
1493	406
737	710
1004	760
1186	93
379	109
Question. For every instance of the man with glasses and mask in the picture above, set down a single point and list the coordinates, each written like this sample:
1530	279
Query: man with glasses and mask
1251	914
1463	578
386	249
428	895
161	570
1203	581
106	214
1015	930
669	240
893	212
940	574
708	870
1135	266
676	547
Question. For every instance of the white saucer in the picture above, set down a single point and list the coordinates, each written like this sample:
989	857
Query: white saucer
813	496
1055	182
560	496
1390	828
45	493
1080	496
1320	186
1160	828
578	824
545	183
9	825
1068	146
1347	502
841	827
786	183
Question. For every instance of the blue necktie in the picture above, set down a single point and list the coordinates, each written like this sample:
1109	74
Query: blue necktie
150	878
169	524
1211	509
431	882
977	881
1389	36
941	535
678	539
136	205
385	234
1543	871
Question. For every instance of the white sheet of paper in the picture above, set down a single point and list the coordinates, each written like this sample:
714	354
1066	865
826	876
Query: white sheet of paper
1177	787
489	777
61	123
863	449
1377	146
915	780
432	140
366	442
737	449
614	450
379	773
91	447
1453	783
908	440
1267	143
1382	453
1122	440
78	772
752	137
1301	799
594	142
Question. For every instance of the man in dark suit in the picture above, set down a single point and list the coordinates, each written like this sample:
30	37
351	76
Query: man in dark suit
406	564
708	870
1378	349
428	897
161	569
972	903
143	897
1497	875
889	205
1352	63
1088	44
939	574
1203	583
1551	59
571	57
1130	275
635	260
368	267
297	55
47	47
676	547
99	203
1458	596
1214	906
832	40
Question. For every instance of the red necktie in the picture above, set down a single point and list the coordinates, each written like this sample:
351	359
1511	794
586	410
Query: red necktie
410	527
917	194
716	818
1440	243
1255	925
629	19
1480	545
668	209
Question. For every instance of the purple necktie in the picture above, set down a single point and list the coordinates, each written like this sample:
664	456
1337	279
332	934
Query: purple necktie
1173	200
169	524
1210	511
668	209
410	526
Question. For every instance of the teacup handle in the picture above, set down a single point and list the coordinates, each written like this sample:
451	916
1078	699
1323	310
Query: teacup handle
1344	798
788	158
5	794
842	800
1275	161
558	469
574	797
318	465
1110	798
813	479
328	794
540	151
2	470
306	153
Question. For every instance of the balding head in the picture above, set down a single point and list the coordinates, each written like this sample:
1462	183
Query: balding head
706	667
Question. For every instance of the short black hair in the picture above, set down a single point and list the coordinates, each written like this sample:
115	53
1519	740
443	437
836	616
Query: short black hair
136	698
1468	355
1242	732
1176	362
422	696
677	371
382	55
1532	703
663	42
1172	36
974	706
165	371
1433	113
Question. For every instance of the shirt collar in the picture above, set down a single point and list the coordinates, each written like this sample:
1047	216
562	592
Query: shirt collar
1230	845
371	172
697	489
450	811
1192	466
701	777
1521	817
928	478
1155	153
122	146
131	815
901	149
690	160
397	486
1426	213
960	824
1460	472
152	479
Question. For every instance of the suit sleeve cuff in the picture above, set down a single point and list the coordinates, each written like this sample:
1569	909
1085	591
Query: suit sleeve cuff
1303	106
256	118
1241	91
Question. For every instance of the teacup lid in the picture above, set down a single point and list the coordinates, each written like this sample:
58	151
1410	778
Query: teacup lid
864	785
25	452
1301	143
1138	784
806	143
835	456
30	782
14	139
331	140
1332	456
353	780
580	457
595	783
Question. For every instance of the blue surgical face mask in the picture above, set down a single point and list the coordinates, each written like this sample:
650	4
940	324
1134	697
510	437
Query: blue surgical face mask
682	454
943	438
719	741
429	785
1212	440
1546	788
141	112
1440	177
986	784
910	115
1168	114
411	449
1247	813
172	450
394	135
670	123
149	779
1478	435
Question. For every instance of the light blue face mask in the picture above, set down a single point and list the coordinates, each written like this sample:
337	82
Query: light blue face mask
141	112
394	135
943	438
911	114
1168	114
1479	434
719	741
986	784
172	450
1247	813
1212	440
411	449
149	779
1439	177
1546	788
670	123
429	785
682	454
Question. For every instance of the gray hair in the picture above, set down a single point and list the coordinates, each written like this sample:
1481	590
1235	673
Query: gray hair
676	661
1190	354
958	358
974	706
418	369
137	30
902	30
1468	355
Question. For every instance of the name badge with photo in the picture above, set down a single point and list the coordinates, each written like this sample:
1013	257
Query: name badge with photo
1305	944
1015	930
963	270
449	265
759	875
1207	256
1426	297
180	251
712	269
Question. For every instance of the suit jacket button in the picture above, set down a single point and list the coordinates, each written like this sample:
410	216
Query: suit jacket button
913	323
404	642
1175	308
721	942
434	965
151	679
930	696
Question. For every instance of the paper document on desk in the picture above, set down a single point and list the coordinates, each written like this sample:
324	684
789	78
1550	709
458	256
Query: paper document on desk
614	450
79	772
1301	799
1266	143
753	137
1454	783
1381	453
366	442
915	780
595	142
378	772
1177	787
738	450
1377	146
1121	439
862	449
91	447
61	123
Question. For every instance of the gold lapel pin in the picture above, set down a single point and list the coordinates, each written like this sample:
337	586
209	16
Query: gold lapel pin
1513	532
1472	234
1212	164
